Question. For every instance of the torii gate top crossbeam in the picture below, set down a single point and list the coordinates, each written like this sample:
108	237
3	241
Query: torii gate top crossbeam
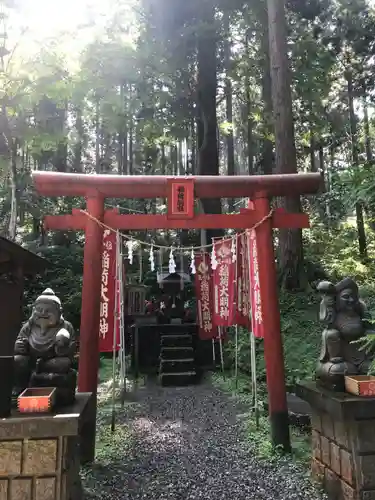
156	186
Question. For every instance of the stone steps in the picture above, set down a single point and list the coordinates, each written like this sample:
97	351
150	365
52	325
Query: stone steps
178	379
176	340
182	365
177	360
167	353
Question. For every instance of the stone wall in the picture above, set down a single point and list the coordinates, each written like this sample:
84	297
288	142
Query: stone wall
343	444
39	456
35	469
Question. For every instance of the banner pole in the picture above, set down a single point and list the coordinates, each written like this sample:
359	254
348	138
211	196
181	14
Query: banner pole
221	350
122	353
114	346
254	388
236	358
236	310
213	353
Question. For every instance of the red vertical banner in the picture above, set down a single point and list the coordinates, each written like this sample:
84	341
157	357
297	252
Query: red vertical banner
108	294
243	282
256	306
204	295
224	277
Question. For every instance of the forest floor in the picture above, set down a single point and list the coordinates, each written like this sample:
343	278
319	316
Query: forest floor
186	443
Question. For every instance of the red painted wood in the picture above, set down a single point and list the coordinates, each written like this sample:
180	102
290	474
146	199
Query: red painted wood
173	185
200	221
78	211
91	289
155	186
273	348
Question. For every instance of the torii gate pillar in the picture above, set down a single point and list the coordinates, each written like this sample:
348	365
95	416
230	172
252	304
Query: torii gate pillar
273	345
90	316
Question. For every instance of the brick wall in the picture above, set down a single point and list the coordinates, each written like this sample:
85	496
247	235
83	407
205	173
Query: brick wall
344	456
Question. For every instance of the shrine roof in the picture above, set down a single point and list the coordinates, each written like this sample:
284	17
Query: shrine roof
13	255
165	276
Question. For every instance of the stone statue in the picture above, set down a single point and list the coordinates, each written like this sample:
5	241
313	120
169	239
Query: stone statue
44	350
347	321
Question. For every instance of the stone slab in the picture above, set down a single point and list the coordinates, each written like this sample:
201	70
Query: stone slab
339	405
65	422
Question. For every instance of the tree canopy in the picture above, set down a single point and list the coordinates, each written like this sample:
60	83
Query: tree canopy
201	87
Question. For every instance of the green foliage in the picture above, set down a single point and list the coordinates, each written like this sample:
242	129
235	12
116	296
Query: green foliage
64	276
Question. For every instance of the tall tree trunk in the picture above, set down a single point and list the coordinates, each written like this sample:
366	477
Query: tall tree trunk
321	157
312	149
97	139
362	244
174	159
290	241
163	160
181	167
366	129
12	228
248	107
208	160
193	158
131	153
60	157
267	159
125	151
78	147
229	103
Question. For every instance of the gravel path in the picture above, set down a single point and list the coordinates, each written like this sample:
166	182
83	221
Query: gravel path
188	444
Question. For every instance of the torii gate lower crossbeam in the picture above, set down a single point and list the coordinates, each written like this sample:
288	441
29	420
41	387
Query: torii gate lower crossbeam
96	187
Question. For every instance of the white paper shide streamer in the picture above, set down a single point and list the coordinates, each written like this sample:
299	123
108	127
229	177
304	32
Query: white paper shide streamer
192	263
172	263
213	258
234	249
130	245
151	259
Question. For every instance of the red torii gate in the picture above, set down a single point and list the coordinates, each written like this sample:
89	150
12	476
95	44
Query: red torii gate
95	188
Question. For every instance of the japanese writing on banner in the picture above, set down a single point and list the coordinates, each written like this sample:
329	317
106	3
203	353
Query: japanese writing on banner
243	282
224	284
255	300
108	293
203	292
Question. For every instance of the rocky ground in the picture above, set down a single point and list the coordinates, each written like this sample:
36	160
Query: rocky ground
185	444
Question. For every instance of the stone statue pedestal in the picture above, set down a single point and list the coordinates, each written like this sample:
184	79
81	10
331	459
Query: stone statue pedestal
40	454
343	442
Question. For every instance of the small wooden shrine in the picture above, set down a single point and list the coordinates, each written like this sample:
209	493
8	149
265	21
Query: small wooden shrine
135	299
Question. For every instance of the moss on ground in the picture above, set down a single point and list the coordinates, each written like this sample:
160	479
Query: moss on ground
258	429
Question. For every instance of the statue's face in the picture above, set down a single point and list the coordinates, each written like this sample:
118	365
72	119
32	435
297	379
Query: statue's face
46	314
348	299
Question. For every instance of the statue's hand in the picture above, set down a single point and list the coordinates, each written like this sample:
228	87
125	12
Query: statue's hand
62	347
39	365
21	347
